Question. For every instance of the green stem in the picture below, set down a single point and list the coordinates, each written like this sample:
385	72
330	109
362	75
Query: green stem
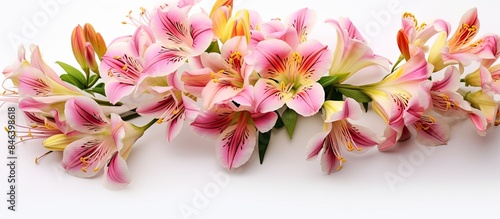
92	83
152	122
131	116
462	80
397	63
346	86
106	103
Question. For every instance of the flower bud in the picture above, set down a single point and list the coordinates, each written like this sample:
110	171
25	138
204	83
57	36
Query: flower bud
78	46
238	25
95	39
90	57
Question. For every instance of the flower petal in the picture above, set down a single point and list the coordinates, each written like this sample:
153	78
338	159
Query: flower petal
432	130
83	114
196	80
338	110
450	82
270	56
116	174
264	122
303	21
174	127
210	123
116	90
161	60
215	93
267	97
315	144
84	157
236	144
201	32
316	59
308	100
171	26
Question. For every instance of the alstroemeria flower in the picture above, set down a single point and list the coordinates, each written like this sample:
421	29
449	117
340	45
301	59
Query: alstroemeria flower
224	75
484	102
11	72
339	132
173	109
123	64
235	129
294	30
178	38
393	94
169	104
417	34
449	103
487	76
103	142
237	25
42	91
352	52
290	76
460	48
221	11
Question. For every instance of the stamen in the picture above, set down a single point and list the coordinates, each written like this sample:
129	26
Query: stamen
297	57
160	121
43	155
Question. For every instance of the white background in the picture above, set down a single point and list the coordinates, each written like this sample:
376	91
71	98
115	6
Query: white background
460	180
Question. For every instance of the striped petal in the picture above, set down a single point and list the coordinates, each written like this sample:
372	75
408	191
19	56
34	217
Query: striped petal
308	100
83	114
116	174
270	57
236	143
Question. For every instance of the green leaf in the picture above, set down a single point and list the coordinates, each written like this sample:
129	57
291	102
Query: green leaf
327	80
93	79
264	139
365	105
289	118
279	122
213	47
73	72
99	88
355	94
72	80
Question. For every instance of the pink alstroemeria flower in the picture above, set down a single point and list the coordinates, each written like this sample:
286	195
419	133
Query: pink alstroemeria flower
102	143
352	52
484	102
294	30
11	72
392	96
178	38
449	103
169	104
417	34
290	76
339	132
487	76
123	64
235	128
224	75
42	91
460	48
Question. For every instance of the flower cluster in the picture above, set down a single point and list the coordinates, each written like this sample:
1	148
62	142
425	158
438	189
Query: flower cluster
234	77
